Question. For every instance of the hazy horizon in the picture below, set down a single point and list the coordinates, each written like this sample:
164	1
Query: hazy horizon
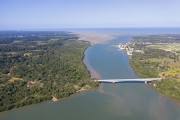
75	14
87	28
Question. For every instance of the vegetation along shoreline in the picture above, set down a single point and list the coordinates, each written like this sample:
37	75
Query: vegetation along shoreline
156	56
39	66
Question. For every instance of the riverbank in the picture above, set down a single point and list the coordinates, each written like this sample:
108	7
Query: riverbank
54	73
157	62
110	101
93	73
93	38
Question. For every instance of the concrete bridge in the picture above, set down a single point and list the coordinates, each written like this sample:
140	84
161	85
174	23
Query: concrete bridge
145	80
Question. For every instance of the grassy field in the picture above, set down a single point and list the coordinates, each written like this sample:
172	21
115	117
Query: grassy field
172	68
173	47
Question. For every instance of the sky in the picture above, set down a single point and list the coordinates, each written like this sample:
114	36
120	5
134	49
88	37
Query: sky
60	14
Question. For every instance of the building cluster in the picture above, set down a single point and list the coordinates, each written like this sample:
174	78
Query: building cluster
127	48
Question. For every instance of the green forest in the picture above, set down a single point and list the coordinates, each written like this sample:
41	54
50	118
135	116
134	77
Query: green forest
37	66
156	62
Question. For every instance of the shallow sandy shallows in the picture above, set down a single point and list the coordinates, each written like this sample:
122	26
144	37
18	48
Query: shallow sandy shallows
94	74
94	37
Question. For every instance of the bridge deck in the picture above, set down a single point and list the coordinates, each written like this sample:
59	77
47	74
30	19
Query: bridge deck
129	80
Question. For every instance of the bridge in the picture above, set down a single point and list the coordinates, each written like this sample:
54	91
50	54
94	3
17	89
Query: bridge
145	80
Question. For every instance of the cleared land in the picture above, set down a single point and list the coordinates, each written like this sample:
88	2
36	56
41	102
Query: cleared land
173	47
172	67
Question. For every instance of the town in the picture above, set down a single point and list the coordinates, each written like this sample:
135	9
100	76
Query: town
128	48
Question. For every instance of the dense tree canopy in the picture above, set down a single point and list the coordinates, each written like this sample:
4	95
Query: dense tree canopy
36	66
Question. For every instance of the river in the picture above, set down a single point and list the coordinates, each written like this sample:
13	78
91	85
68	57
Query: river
125	101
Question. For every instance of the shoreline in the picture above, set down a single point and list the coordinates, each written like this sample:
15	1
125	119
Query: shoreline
92	38
164	94
45	102
151	84
92	72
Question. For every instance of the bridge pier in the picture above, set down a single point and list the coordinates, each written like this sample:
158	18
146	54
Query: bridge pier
145	82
